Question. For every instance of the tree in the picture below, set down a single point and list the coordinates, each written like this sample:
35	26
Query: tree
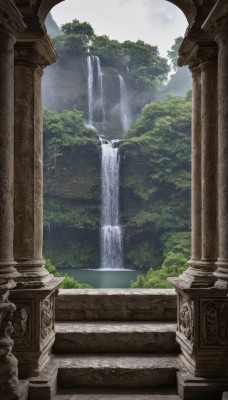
78	28
173	53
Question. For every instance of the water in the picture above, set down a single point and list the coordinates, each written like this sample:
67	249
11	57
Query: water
102	278
111	231
96	112
90	90
124	106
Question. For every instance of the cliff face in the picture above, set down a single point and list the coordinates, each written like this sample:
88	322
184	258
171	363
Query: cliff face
65	86
72	207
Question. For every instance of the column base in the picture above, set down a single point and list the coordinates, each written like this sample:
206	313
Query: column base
199	274
193	388
32	274
33	324
221	274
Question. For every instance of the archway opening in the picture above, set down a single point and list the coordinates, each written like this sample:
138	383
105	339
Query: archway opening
154	190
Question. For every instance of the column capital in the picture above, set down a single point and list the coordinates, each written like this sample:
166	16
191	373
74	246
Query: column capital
216	24
193	53
11	20
38	53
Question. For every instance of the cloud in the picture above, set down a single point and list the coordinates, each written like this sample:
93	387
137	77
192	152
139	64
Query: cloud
122	2
163	14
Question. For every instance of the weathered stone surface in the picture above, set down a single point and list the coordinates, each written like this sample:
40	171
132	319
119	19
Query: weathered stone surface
192	388
116	371
116	305
45	385
115	337
113	394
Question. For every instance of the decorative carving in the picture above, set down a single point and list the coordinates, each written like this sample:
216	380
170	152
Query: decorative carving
214	323
10	18
10	387
186	325
47	316
21	326
29	55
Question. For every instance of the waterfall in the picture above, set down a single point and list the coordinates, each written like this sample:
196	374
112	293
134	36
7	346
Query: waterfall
96	112
90	90
111	231
124	106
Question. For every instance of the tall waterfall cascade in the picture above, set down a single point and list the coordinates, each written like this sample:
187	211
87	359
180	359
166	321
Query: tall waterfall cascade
111	231
124	105
96	112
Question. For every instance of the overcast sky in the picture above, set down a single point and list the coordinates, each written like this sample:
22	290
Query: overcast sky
157	22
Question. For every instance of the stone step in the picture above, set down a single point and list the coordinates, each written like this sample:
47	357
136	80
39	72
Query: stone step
116	371
116	305
123	394
115	337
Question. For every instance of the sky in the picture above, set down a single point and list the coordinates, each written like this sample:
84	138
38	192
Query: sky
156	22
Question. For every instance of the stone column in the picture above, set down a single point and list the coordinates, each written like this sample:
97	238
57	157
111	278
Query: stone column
28	203
209	120
10	24
34	318
220	31
192	275
204	171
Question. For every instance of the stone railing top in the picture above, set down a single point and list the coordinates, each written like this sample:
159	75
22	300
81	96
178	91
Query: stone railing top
108	292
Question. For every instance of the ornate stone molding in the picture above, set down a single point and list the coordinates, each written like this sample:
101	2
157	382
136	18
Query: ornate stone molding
28	54
10	387
213	314
186	318
216	23
47	316
11	20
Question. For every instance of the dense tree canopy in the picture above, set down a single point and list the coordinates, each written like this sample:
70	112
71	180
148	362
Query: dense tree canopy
160	139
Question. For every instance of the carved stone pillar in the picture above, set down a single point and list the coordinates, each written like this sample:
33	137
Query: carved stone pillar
193	274
204	171
10	24
217	26
209	123
34	296
28	203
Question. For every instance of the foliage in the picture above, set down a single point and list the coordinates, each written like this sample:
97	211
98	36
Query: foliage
66	213
173	53
78	28
158	159
69	282
177	251
70	249
139	62
174	265
143	255
177	242
64	129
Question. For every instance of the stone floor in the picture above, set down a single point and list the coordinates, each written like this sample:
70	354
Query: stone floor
155	394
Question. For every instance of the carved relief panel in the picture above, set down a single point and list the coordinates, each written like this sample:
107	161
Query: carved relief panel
47	316
186	320
214	323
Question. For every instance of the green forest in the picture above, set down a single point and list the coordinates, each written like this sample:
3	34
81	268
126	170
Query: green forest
155	157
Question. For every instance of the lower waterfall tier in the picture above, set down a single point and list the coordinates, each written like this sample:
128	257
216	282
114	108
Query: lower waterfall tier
111	247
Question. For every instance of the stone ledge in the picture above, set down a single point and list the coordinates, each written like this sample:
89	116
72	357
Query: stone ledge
116	305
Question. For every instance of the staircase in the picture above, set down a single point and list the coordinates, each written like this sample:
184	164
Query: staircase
114	344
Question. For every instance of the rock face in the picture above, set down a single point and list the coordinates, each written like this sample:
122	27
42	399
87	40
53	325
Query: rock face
65	86
72	196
